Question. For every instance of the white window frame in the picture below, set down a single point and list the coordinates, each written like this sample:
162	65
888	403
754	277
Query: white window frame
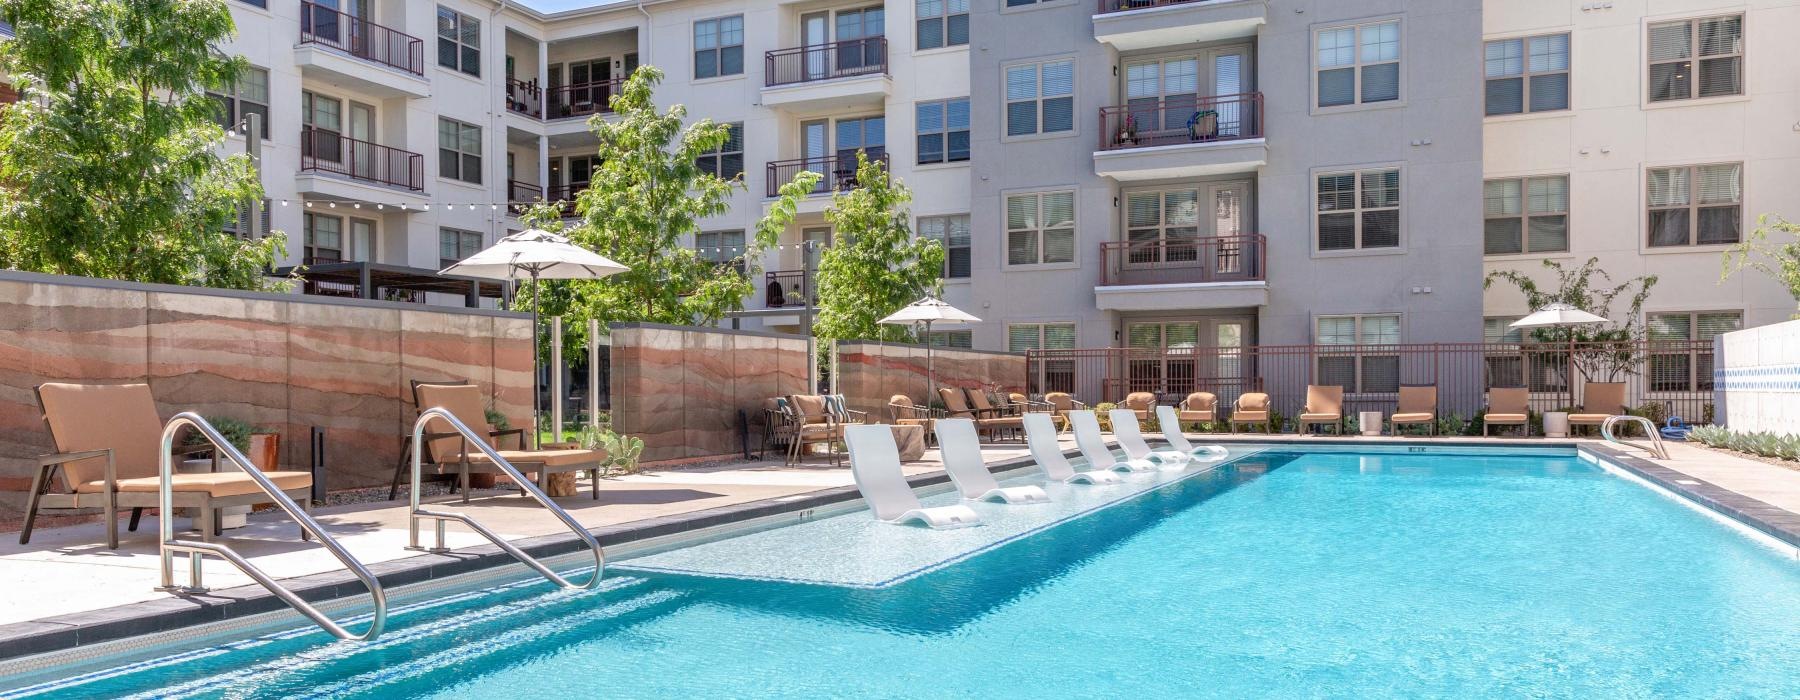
1038	131
1074	226
1525	74
1074	332
1399	247
462	156
1525	214
1357	65
967	246
456	40
718	48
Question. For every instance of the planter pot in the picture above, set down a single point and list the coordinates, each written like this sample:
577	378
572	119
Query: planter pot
230	518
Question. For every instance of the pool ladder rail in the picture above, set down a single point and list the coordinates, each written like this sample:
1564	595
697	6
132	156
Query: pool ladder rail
196	550
470	437
1655	448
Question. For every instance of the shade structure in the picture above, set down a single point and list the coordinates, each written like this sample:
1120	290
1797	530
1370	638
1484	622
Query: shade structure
1561	316
535	254
929	310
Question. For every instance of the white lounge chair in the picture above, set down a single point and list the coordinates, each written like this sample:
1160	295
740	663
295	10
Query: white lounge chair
1040	435
875	464
1131	439
961	449
1093	447
1171	429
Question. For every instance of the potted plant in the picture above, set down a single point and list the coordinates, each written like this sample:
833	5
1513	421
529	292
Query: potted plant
1128	130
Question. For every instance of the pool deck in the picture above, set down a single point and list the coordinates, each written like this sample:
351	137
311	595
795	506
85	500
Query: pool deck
66	588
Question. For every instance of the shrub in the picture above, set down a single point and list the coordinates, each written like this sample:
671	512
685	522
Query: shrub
234	431
1103	412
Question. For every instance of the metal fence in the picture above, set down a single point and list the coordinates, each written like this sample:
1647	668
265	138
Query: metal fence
805	64
361	38
1662	378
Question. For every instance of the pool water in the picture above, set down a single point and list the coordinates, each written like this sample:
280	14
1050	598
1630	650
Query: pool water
1281	574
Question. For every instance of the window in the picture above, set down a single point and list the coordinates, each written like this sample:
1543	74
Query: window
1526	215
963	339
323	124
1695	205
1040	228
1164	223
325	240
953	233
1358	210
459	151
943	128
1718	42
942	23
1530	74
719	47
455	244
1366	363
1685	362
1050	373
459	41
240	225
1358	64
1040	98
247	95
721	247
726	161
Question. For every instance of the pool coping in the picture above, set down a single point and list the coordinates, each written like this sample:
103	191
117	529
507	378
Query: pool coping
80	629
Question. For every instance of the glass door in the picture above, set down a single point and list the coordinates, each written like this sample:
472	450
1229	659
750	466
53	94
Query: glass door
1234	116
365	162
815	144
815	33
362	240
866	134
1227	224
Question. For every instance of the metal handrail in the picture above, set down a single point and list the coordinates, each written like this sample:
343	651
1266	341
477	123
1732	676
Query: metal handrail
195	550
1656	448
417	512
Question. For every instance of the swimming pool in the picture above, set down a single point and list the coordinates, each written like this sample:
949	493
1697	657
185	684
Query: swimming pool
1342	573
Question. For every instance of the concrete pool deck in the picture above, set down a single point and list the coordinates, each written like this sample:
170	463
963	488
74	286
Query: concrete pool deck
66	579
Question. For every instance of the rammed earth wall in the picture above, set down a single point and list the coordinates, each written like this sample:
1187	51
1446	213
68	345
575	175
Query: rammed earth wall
870	373
680	388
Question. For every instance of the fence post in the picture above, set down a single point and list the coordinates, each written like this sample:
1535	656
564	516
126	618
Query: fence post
556	373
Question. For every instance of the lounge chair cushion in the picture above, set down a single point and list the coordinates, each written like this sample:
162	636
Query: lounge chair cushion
463	401
1249	416
1412	418
1004	421
809	407
1508	418
97	416
1321	416
1587	418
548	458
218	485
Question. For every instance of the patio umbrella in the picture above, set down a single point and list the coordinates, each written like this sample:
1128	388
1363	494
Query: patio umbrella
535	254
928	310
1561	316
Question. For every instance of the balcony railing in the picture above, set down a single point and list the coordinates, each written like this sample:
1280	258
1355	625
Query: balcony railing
566	194
786	289
525	97
1183	260
331	152
361	38
839	172
1107	6
1181	119
520	195
805	64
584	99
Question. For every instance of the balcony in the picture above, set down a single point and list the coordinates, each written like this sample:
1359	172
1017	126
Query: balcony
524	98
338	47
851	73
339	167
327	276
1177	274
585	99
1185	136
787	289
1131	25
566	194
839	172
520	195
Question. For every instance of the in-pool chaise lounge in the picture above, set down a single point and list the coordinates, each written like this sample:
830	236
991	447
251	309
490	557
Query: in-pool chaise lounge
450	453
960	448
1093	447
107	437
1131	439
1040	435
1508	406
1171	429
875	464
1417	404
1324	406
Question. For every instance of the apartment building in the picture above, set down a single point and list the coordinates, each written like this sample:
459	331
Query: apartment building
1649	135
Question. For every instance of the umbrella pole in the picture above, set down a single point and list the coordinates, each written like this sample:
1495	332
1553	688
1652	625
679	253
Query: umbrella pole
930	367
534	359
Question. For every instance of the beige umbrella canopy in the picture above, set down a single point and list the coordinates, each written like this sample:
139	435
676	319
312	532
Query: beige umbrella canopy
928	310
535	254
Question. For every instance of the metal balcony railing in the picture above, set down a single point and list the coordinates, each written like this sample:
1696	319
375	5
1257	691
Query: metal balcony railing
521	194
787	288
582	100
1108	6
1168	121
567	195
805	64
525	97
839	172
361	38
1183	260
331	152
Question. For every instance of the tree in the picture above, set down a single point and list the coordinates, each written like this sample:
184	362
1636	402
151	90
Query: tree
1779	262
1602	350
108	165
876	265
647	193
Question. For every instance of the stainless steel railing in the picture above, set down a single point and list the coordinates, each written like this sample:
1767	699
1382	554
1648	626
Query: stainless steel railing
1655	448
531	489
196	550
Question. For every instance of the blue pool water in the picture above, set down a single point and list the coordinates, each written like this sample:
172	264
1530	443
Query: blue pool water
1280	575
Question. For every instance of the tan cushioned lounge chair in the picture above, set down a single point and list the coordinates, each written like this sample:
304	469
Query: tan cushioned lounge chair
1599	401
987	423
1418	404
1143	402
1324	405
1508	406
1198	407
449	451
1251	408
122	419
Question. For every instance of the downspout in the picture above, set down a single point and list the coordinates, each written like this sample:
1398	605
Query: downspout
496	218
644	58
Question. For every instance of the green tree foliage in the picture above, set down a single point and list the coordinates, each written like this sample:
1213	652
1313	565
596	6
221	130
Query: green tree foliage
875	266
646	195
1607	350
108	165
1781	262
